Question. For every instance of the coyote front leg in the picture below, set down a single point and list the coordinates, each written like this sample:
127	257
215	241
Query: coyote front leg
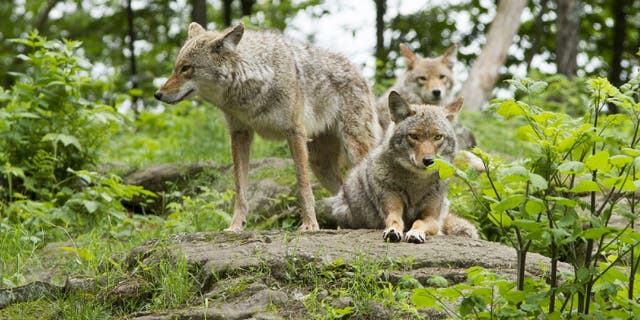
297	140
394	224
429	224
240	150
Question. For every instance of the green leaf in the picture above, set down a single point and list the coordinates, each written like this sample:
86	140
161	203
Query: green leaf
472	304
519	84
585	186
538	182
91	206
516	296
562	201
595	233
571	167
528	225
514	174
510	108
631	152
445	169
500	219
423	298
437	281
65	139
508	203
598	161
537	86
620	160
534	206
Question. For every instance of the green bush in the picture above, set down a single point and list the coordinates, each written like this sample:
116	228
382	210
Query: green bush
52	121
561	201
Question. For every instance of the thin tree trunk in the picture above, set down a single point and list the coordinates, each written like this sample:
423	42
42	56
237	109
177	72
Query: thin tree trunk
486	69
199	12
226	12
537	35
567	36
43	15
619	27
381	52
247	7
132	55
619	35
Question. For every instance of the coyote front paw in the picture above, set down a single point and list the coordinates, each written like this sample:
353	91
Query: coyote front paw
309	227
415	237
392	235
233	228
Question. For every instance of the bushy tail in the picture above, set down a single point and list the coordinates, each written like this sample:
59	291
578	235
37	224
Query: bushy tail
457	226
337	210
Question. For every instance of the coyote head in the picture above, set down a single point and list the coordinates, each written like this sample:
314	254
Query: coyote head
204	64
430	78
422	132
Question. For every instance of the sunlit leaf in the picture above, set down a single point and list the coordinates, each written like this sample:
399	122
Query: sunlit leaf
571	167
598	161
508	203
585	186
500	219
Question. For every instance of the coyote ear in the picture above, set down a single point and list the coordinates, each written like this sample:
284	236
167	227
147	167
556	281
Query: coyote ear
408	55
450	57
233	37
453	109
195	29
400	108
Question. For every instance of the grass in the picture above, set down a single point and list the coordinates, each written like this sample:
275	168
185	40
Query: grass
187	132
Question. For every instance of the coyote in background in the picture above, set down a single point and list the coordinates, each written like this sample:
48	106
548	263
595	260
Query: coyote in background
280	89
392	189
426	81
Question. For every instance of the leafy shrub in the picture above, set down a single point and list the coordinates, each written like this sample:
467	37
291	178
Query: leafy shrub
52	120
561	201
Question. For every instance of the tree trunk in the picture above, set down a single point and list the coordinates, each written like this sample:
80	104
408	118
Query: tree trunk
381	52
226	12
619	34
247	6
43	15
132	55
537	34
486	69
199	12
567	37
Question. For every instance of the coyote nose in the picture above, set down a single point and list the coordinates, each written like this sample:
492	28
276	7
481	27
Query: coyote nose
436	93
427	161
158	95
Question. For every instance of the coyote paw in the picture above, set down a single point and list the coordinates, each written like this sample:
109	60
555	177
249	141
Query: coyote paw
309	227
392	235
233	228
415	237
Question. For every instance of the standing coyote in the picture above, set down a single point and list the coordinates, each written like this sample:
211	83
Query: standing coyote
426	81
392	189
280	89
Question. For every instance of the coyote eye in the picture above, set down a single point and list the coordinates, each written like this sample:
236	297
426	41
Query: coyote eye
185	68
421	79
438	137
413	136
442	77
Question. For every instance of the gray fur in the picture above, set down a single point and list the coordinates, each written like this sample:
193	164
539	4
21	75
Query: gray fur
390	170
